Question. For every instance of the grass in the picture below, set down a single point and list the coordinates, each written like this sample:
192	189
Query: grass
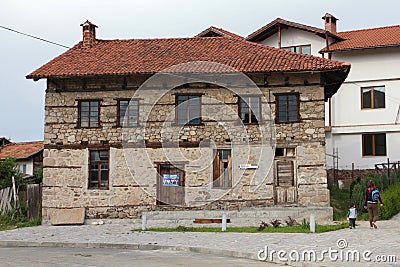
8	222
281	229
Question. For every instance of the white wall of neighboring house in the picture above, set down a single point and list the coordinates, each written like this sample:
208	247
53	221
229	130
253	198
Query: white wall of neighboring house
29	166
369	67
293	37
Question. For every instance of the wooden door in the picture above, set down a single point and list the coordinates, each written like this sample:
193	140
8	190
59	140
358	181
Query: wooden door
171	184
286	192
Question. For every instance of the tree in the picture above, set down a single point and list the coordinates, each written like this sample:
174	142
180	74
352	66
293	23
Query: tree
8	169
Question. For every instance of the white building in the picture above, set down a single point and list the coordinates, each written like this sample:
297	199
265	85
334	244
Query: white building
362	119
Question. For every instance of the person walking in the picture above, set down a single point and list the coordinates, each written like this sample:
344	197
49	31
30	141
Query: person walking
352	216
371	198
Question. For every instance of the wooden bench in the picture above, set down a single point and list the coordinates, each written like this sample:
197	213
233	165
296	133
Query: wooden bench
210	220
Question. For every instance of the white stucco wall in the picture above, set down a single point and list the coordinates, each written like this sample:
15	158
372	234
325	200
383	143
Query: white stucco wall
29	166
369	67
293	37
372	67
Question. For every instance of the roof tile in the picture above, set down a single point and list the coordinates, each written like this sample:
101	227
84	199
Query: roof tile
134	56
21	150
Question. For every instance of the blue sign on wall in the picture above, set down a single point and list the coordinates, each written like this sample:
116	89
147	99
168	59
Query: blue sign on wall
170	179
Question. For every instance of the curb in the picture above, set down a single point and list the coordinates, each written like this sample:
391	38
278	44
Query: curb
201	250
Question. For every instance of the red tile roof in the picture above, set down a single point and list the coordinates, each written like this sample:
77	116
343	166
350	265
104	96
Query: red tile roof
124	57
214	31
272	27
21	150
367	38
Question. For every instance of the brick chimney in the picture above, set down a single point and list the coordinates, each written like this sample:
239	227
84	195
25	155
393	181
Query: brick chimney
330	23
89	34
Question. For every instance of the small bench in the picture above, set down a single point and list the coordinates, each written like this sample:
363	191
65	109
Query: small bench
210	221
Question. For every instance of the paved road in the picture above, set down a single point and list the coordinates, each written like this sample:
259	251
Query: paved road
384	241
48	256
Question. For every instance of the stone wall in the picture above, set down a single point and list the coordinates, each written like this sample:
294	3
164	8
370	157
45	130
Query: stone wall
135	152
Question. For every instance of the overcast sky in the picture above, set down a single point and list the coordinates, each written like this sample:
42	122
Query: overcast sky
22	101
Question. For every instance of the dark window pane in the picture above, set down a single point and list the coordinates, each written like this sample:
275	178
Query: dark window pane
287	108
367	145
94	155
188	109
379	97
380	145
366	98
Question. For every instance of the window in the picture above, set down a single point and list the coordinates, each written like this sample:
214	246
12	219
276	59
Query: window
250	109
89	114
287	108
373	97
222	168
99	171
188	109
301	49
22	168
128	112
374	144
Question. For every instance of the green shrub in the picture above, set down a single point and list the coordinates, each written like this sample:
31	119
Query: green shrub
391	200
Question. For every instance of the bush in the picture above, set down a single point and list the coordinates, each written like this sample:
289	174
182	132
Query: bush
8	169
391	200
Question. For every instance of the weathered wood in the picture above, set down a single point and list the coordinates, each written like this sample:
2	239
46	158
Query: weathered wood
210	220
6	197
33	200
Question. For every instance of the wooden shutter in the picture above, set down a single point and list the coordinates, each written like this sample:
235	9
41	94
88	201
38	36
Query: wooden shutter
216	169
229	169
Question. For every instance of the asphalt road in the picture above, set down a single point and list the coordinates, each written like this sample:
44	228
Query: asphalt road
54	256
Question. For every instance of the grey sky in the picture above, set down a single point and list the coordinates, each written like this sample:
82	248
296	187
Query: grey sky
22	101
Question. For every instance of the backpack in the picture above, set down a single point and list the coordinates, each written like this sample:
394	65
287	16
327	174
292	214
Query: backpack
375	195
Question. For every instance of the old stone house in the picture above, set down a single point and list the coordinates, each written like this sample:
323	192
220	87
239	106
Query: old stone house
203	124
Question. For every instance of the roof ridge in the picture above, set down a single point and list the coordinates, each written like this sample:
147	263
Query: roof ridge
368	29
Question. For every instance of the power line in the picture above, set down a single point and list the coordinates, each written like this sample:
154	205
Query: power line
41	39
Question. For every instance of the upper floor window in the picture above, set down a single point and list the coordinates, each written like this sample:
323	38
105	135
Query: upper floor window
128	112
373	97
89	113
188	109
250	109
301	49
287	108
99	169
374	144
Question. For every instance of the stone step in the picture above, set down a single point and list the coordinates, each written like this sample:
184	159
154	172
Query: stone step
243	217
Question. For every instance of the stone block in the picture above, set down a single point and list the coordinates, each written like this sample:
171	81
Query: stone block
73	216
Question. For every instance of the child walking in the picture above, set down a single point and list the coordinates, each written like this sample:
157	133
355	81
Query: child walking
352	215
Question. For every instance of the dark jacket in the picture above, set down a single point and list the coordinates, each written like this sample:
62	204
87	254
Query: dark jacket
368	196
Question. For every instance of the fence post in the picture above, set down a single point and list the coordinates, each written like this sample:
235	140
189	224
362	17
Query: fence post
312	223
388	170
223	222
144	222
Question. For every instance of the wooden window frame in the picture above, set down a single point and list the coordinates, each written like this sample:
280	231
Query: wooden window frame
372	97
177	109
298	118
258	116
99	162
218	169
119	123
373	145
80	101
298	48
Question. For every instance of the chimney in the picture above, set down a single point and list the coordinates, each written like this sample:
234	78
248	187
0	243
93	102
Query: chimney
89	34
330	23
